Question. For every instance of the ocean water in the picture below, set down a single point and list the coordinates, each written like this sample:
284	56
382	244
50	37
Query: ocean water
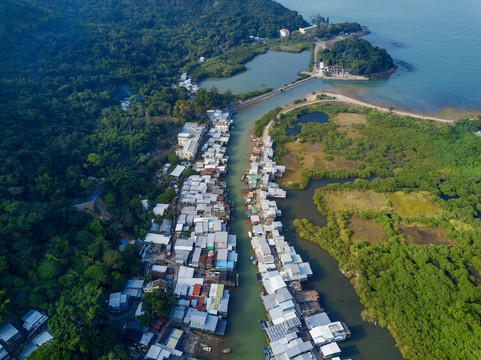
440	38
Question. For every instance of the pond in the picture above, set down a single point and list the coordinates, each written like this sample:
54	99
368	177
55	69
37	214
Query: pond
316	117
272	69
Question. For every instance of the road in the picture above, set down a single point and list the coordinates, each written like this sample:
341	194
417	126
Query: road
271	94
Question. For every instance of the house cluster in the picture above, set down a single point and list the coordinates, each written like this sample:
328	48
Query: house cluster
334	70
19	342
189	139
165	351
202	305
202	253
186	82
282	272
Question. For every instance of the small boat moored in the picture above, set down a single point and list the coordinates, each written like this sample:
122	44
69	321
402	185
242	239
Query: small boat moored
226	351
263	326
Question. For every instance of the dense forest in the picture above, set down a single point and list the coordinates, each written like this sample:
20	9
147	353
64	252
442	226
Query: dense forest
65	67
359	56
411	242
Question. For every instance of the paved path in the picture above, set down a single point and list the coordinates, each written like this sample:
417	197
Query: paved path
350	100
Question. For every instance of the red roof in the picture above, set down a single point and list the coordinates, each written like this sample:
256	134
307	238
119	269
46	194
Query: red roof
196	290
200	302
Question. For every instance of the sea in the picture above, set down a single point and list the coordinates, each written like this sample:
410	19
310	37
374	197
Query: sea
439	39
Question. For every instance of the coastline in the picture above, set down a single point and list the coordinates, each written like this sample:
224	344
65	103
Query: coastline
446	115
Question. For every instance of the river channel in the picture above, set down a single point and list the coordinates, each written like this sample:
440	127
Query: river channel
244	335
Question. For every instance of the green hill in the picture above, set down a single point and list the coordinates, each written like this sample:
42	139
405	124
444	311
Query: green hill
358	55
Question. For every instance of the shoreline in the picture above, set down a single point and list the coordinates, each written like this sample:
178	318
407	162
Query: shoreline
445	115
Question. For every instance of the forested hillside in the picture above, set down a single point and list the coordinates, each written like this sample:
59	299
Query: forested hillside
64	68
358	55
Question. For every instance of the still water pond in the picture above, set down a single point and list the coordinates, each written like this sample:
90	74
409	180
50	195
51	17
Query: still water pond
316	117
272	69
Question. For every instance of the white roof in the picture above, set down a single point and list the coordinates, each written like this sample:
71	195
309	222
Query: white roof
159	209
179	169
42	338
146	338
157	239
33	319
159	268
330	349
272	281
7	332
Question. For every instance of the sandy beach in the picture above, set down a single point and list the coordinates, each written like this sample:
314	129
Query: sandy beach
448	115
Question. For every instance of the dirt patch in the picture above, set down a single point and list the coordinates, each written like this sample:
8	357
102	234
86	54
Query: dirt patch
350	132
200	341
355	200
308	156
366	230
348	119
290	160
347	122
421	234
414	204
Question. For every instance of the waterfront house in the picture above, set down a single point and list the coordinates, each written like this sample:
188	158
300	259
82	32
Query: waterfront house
330	350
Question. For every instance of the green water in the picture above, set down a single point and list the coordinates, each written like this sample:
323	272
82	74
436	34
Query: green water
244	335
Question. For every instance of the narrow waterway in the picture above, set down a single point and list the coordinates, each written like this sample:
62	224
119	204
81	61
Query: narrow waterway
244	335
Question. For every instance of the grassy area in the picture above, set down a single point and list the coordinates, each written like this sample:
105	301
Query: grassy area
306	156
355	201
414	204
413	257
348	119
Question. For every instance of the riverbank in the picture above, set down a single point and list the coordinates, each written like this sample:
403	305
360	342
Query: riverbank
282	271
448	115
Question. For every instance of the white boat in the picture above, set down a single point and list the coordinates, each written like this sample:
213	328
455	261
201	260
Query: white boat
207	349
250	234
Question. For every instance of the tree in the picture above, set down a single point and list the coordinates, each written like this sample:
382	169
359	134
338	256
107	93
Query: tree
4	301
73	324
317	19
159	302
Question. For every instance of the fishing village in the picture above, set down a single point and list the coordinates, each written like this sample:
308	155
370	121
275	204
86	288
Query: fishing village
297	326
188	250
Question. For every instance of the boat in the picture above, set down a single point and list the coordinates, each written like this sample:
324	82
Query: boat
250	234
253	260
248	214
263	326
207	348
243	177
226	351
